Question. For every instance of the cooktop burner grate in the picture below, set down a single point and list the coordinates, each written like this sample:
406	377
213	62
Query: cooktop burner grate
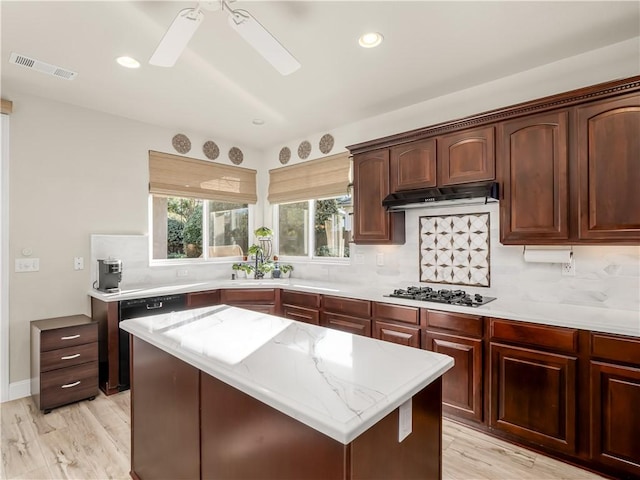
451	297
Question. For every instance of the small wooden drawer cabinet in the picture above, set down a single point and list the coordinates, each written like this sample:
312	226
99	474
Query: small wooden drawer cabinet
64	360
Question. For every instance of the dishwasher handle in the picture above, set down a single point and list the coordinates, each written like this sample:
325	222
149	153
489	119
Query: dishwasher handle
154	306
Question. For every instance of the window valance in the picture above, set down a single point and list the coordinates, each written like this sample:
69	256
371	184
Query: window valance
173	175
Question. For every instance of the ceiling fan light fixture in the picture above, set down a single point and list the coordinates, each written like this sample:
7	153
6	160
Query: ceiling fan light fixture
370	39
177	37
263	42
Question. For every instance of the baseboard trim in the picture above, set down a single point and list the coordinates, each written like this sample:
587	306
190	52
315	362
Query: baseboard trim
19	389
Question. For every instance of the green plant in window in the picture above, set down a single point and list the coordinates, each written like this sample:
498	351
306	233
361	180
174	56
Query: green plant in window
263	232
255	250
286	268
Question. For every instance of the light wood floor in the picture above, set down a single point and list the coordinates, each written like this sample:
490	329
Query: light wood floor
91	440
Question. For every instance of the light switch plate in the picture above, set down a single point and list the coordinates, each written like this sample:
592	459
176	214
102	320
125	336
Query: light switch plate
24	265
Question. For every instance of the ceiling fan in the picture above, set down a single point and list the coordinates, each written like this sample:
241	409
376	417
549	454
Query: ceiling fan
188	20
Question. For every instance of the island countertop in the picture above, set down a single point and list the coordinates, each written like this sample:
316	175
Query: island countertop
335	382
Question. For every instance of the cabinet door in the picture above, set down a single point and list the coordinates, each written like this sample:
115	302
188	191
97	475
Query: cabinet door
534	158
402	334
372	223
346	323
609	169
533	396
413	166
301	314
462	385
467	156
615	416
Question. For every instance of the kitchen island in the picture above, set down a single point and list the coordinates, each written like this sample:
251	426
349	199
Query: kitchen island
222	392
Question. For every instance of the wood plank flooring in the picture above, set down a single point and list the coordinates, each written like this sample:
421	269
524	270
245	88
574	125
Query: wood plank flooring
91	441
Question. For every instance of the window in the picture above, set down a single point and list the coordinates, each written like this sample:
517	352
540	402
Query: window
179	229
315	228
198	209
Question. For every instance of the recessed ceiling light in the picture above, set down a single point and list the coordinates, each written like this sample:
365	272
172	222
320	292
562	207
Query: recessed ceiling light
257	121
370	40
128	62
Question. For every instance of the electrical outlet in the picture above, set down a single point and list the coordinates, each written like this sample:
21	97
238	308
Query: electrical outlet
78	263
569	268
182	272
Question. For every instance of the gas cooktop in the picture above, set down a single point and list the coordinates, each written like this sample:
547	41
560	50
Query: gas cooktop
452	297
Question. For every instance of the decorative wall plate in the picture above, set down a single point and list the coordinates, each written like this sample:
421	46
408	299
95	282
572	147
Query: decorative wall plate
211	150
181	143
326	143
285	155
236	156
304	150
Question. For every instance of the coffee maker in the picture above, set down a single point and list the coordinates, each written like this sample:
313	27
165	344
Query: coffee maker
109	275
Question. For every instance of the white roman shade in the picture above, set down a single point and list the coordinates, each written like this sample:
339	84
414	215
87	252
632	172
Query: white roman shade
321	178
175	176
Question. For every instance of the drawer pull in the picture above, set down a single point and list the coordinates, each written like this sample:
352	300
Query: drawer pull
70	337
154	306
69	385
69	357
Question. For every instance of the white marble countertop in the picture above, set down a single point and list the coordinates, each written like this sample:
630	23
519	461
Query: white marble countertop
623	322
335	382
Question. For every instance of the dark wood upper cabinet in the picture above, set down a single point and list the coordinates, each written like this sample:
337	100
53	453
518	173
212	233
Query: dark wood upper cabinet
533	152
413	165
608	133
372	223
467	156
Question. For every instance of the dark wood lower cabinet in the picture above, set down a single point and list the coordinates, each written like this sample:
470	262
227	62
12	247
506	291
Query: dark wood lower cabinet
533	396
462	390
401	334
615	416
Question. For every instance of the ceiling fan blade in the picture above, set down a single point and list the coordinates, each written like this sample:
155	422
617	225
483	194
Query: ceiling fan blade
177	37
265	44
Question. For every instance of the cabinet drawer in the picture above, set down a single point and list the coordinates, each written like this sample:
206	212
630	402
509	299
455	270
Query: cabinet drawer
357	326
401	334
346	306
455	322
203	299
611	347
67	385
553	338
396	312
67	357
301	299
300	314
69	336
248	295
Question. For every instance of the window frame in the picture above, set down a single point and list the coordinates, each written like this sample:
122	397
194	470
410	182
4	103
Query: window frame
205	239
310	257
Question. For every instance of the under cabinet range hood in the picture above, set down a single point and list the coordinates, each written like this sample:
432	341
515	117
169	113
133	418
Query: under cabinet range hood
465	194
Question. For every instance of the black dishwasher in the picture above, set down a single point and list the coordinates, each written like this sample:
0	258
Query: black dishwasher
142	307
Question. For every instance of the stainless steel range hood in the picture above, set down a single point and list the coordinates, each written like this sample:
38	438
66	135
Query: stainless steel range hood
466	194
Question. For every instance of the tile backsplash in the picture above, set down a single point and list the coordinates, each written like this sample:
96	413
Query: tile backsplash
606	276
454	249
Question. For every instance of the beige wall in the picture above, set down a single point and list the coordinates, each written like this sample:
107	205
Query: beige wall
73	172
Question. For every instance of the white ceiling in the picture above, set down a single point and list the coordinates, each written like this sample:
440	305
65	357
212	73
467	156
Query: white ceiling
220	84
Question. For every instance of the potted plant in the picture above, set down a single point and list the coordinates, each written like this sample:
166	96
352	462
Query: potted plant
255	250
237	268
285	270
249	270
267	269
263	232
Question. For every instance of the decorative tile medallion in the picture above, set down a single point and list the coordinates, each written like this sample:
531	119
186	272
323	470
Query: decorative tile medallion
211	150
326	143
181	143
236	156
285	155
304	150
454	249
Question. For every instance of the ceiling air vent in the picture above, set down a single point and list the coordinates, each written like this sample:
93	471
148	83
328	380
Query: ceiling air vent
43	67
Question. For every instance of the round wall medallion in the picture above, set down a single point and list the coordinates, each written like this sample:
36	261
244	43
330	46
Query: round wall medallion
326	143
285	155
211	150
304	150
236	156
181	143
